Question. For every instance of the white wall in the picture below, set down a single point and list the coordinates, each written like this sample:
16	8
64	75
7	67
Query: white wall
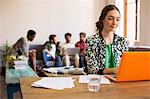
59	17
47	17
145	23
0	22
110	1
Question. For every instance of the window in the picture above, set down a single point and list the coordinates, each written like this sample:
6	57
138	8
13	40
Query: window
130	15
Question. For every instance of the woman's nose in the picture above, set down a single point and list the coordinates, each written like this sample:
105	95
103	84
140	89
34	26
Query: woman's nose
114	22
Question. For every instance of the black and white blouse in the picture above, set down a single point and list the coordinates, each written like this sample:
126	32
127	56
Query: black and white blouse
95	52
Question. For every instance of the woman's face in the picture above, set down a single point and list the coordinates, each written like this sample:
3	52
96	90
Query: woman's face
111	21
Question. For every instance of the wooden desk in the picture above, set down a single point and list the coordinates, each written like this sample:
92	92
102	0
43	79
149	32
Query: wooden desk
125	90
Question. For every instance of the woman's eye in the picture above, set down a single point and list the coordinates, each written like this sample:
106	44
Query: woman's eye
118	19
110	18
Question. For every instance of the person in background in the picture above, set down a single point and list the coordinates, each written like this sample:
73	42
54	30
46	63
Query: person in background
104	49
51	52
81	44
66	45
21	51
22	46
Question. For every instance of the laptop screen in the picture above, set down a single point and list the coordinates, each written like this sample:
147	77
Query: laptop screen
72	51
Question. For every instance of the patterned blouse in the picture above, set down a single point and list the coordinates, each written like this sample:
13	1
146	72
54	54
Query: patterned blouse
95	52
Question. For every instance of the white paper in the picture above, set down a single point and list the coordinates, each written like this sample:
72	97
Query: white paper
104	80
65	69
58	83
20	66
85	79
21	62
53	69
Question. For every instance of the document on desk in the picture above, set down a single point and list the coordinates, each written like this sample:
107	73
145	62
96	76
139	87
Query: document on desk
54	69
85	79
70	70
58	83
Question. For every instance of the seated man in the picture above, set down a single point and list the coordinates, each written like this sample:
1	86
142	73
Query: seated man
81	44
14	71
21	47
51	52
66	57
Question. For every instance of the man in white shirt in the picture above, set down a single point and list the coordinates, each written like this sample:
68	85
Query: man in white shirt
66	58
21	47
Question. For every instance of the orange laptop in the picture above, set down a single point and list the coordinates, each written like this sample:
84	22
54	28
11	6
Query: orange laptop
134	66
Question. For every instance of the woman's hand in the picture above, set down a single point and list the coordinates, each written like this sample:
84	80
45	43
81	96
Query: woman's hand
115	70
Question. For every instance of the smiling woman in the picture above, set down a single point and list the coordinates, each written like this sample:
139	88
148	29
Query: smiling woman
104	49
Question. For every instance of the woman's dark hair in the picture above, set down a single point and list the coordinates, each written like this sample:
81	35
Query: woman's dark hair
51	38
106	9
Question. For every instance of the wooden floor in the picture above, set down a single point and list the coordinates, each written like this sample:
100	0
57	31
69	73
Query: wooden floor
3	92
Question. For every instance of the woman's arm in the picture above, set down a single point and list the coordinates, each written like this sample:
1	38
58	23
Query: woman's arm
110	70
91	58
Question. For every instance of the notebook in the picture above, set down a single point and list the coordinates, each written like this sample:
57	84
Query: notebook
72	51
134	66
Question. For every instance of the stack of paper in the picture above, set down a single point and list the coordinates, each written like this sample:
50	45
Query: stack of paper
58	83
20	64
70	70
54	69
85	79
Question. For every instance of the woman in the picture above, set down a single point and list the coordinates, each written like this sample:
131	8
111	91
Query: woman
105	48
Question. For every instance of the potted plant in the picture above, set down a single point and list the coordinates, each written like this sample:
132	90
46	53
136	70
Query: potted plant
4	49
